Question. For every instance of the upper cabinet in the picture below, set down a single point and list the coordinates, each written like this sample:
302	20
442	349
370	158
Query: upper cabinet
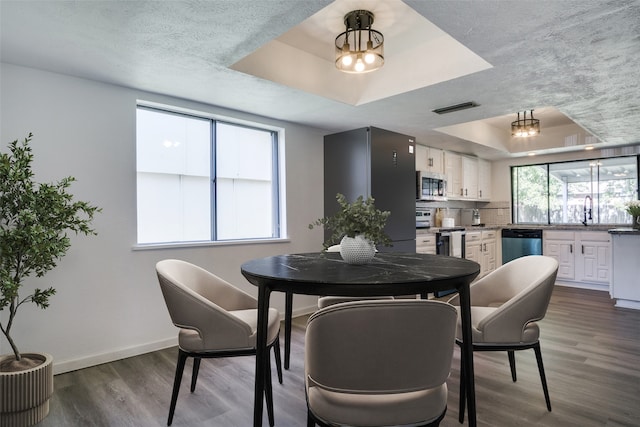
484	180
468	178
429	159
453	169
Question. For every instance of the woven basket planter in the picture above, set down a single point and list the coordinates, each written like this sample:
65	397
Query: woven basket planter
24	395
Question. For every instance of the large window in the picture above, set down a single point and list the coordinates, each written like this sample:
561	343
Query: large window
591	191
201	179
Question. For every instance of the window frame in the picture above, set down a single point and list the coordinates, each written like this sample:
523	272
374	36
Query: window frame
278	225
547	165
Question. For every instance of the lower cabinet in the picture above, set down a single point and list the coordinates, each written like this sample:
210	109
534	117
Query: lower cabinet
426	243
583	256
481	247
561	246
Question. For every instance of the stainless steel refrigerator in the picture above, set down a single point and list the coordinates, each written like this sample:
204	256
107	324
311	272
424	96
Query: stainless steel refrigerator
378	163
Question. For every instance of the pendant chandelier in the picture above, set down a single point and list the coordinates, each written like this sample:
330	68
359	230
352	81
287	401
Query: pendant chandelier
525	127
359	49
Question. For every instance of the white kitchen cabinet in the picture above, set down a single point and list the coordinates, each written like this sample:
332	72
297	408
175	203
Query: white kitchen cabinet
593	257
484	180
481	247
469	178
584	257
453	169
489	250
472	247
426	244
560	245
429	159
625	283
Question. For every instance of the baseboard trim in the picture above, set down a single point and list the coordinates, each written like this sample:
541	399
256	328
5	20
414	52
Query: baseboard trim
582	285
303	311
97	359
69	365
625	303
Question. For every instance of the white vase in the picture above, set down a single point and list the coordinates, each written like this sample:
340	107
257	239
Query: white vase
357	250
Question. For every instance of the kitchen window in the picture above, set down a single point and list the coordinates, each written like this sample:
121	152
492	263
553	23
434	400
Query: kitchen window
583	191
200	179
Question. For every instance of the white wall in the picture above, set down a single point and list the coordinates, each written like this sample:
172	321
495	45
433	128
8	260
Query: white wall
108	304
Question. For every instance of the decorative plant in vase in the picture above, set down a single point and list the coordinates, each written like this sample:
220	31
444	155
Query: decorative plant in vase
358	227
34	221
633	209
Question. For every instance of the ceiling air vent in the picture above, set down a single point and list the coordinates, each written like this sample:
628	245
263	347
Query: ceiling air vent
457	107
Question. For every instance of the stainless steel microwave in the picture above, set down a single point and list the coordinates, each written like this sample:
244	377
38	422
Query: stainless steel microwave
431	186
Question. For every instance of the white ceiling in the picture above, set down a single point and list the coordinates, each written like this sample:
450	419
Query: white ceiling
574	61
306	55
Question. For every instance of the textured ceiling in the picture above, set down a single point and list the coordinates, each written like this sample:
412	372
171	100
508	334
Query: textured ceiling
577	58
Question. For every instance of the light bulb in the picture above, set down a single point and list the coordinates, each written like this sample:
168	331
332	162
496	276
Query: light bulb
359	67
369	58
347	60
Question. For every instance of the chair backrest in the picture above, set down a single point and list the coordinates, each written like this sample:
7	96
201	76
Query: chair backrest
383	346
199	300
206	284
521	291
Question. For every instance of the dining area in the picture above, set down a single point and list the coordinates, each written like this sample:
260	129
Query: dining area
373	357
588	384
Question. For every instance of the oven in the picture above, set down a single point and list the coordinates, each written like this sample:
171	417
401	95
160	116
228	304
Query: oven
450	242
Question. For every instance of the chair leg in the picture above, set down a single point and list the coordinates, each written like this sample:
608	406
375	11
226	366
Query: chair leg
288	308
463	391
182	358
194	375
543	378
278	357
268	394
512	364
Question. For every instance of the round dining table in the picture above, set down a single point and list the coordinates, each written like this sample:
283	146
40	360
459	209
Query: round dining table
389	274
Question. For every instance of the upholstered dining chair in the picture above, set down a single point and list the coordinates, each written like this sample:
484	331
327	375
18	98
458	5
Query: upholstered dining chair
505	305
216	320
323	301
356	375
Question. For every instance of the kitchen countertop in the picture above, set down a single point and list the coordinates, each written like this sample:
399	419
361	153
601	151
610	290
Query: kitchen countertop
611	228
625	230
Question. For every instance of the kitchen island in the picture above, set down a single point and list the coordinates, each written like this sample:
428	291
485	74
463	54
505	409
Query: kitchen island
625	283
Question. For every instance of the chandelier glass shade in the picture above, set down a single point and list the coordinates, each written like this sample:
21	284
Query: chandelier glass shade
359	49
525	127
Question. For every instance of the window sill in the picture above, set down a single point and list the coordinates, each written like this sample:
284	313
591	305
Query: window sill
175	245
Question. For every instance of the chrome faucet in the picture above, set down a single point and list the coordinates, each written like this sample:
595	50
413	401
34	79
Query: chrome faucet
587	211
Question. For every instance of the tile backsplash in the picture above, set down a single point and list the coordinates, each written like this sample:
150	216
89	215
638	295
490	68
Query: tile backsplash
493	213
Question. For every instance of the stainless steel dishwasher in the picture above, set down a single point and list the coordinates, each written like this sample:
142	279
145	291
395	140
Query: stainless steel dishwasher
519	242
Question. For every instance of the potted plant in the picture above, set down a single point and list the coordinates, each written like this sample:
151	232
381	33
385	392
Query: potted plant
34	221
358	227
633	209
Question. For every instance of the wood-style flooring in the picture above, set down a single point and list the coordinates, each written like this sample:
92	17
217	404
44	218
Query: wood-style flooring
591	352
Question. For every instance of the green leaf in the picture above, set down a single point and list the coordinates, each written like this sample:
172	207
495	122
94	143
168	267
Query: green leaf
35	219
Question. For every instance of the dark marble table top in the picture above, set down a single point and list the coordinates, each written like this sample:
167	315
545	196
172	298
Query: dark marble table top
388	274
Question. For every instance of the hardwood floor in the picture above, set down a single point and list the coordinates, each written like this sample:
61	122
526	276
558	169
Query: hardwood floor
591	352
